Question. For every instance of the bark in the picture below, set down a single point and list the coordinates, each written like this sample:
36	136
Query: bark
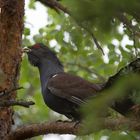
11	26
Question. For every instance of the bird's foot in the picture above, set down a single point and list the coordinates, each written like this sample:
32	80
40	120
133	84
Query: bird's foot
76	123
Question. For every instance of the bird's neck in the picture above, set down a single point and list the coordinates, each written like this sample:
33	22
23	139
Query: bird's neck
47	70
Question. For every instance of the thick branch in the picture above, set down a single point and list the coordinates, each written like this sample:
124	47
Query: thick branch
119	123
68	128
7	103
42	129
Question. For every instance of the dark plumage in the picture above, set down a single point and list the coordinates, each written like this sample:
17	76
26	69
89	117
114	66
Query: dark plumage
62	92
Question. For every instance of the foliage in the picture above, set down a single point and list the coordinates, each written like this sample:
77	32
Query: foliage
70	37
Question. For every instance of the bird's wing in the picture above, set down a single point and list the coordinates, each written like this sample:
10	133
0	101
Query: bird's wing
72	88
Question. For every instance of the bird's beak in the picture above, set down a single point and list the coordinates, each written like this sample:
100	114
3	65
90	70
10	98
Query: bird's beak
26	50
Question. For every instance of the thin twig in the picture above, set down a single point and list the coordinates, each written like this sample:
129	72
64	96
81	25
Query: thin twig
97	43
6	93
8	103
15	89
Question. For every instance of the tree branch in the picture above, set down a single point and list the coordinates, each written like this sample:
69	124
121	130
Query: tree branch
54	4
7	103
122	123
33	130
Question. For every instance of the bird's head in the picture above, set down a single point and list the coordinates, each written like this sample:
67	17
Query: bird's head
39	54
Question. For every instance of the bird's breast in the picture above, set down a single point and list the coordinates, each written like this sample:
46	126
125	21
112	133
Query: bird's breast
58	104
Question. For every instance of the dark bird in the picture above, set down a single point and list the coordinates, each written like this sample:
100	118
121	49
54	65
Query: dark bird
62	92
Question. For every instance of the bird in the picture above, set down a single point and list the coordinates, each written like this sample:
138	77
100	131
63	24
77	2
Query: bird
62	92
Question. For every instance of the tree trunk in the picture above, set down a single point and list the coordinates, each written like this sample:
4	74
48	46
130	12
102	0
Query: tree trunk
11	26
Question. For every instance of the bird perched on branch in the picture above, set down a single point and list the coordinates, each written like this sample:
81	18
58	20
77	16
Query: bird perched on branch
62	92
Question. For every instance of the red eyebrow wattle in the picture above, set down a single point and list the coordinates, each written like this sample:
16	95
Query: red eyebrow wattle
36	46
